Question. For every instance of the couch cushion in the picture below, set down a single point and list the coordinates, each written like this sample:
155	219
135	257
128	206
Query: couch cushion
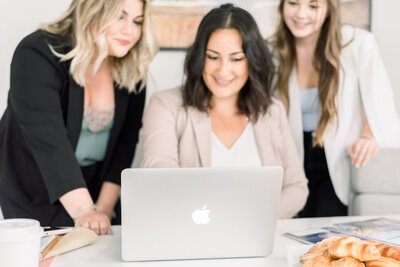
375	204
380	175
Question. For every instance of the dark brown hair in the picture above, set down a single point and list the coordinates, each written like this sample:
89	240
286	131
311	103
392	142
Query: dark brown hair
255	97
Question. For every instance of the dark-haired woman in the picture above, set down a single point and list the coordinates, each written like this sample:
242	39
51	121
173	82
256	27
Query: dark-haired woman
224	115
338	97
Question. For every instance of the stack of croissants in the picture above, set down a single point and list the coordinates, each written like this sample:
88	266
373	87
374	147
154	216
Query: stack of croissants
351	252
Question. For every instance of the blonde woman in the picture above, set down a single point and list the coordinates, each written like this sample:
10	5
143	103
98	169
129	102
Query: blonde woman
74	111
338	98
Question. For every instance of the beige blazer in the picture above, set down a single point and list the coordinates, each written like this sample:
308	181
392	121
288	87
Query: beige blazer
174	136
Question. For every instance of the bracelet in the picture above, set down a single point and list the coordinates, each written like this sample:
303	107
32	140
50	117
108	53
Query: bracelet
367	137
88	206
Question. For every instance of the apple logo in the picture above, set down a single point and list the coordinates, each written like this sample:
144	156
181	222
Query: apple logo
201	216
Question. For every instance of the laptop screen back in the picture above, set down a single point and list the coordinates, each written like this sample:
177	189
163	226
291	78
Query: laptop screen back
197	213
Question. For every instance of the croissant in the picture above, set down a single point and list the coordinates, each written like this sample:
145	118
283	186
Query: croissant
318	261
386	250
310	255
377	244
353	247
319	249
383	262
347	262
389	252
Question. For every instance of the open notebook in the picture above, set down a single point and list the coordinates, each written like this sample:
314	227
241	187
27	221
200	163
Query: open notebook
59	244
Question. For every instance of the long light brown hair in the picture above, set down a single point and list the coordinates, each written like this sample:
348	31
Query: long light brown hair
85	19
326	61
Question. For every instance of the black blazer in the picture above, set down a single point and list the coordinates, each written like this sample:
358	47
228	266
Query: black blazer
40	129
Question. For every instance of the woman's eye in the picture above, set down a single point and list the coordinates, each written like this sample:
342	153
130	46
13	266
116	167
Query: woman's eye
292	3
138	22
314	6
211	57
237	59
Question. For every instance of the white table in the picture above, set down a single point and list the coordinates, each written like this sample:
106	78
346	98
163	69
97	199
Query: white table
106	251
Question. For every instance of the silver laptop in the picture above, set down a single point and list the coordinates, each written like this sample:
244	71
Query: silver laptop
199	213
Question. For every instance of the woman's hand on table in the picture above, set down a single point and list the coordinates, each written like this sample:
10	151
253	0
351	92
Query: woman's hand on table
80	207
97	221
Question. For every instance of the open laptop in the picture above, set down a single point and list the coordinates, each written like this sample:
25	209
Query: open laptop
199	213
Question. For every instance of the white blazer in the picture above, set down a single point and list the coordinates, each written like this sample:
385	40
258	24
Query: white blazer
364	92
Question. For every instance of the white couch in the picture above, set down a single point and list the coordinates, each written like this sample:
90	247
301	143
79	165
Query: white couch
376	186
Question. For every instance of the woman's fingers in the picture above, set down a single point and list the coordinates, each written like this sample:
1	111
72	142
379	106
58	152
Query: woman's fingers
104	227
362	151
373	151
94	226
94	220
355	152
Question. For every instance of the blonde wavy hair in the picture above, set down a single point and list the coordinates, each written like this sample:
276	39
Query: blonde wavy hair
85	19
326	61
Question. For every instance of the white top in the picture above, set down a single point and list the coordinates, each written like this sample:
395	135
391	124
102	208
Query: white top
364	92
243	152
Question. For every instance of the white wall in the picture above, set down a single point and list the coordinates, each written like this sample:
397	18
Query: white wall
19	18
166	71
386	27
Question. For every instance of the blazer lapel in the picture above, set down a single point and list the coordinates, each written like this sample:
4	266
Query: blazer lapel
202	130
75	112
262	135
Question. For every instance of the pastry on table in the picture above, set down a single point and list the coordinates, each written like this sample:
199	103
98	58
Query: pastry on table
351	252
355	248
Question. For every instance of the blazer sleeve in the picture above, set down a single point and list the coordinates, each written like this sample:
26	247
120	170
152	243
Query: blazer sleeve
294	187
124	150
37	79
376	92
159	134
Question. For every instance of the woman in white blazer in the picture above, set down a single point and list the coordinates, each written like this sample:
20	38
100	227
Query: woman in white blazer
224	114
338	97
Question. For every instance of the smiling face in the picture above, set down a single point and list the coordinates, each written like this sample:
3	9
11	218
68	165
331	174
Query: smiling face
305	18
226	69
125	33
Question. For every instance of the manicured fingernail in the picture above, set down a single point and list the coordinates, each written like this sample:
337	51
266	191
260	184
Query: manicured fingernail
111	231
357	166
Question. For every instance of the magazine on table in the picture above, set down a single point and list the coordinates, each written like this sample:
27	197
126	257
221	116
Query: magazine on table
314	235
378	229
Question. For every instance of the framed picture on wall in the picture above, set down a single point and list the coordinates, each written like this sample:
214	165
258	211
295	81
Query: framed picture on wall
176	21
